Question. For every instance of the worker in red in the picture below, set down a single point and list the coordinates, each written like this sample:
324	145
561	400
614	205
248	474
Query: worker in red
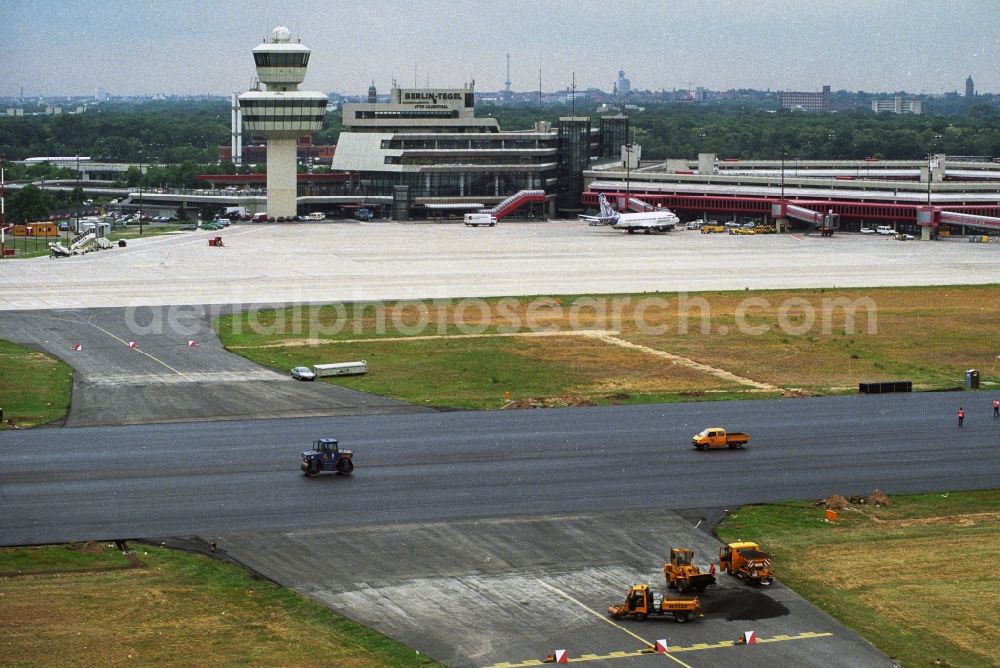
996	408
961	415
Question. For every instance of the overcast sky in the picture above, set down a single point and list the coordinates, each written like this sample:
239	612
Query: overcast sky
136	47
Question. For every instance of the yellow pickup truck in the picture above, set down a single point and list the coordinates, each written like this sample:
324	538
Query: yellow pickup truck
717	437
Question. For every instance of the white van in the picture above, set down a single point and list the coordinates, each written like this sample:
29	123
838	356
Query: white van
885	229
477	219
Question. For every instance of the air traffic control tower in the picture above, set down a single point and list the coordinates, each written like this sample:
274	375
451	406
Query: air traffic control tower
282	114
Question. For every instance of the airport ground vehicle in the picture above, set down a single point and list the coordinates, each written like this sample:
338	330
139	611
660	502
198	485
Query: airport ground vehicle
641	603
477	219
867	230
326	455
746	561
718	437
303	373
713	229
885	230
363	214
683	575
316	215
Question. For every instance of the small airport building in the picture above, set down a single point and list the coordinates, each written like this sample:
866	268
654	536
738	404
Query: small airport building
427	152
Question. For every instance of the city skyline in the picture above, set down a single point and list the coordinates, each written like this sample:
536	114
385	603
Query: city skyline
143	48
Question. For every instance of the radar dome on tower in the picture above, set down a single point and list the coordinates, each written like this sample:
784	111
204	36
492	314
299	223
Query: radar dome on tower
281	35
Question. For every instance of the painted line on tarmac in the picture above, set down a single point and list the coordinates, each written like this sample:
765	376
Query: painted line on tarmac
806	635
116	338
605	619
139	350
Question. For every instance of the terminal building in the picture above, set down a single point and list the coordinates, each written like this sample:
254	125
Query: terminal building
427	151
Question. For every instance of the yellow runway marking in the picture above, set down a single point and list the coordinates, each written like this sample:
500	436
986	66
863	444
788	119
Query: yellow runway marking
673	648
604	618
139	350
116	338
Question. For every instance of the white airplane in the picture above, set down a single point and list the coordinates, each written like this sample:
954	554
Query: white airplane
661	220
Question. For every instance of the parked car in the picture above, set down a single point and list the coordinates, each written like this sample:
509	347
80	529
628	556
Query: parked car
303	373
886	230
867	230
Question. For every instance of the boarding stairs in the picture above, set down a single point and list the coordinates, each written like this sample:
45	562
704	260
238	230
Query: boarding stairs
76	245
514	202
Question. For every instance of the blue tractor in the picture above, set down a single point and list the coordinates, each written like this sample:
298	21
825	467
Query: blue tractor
327	456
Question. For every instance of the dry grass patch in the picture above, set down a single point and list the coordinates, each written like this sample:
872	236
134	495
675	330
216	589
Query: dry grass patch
811	341
914	577
610	369
180	610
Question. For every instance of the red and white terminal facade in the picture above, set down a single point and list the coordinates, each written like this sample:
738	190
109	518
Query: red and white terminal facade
918	196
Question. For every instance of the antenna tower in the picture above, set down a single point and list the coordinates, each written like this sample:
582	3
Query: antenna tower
507	82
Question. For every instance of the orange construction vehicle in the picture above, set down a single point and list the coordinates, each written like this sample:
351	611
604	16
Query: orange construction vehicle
746	561
717	437
641	603
683	575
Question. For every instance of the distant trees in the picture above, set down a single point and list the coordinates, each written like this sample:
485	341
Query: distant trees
28	204
677	131
162	131
177	139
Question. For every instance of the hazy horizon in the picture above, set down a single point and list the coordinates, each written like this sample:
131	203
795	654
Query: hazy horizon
73	48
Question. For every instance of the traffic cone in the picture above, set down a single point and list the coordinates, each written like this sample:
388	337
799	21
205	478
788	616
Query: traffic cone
557	656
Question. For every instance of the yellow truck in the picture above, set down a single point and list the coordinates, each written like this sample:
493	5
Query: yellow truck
746	561
641	603
718	437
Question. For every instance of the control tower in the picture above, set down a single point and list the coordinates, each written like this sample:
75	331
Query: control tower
282	114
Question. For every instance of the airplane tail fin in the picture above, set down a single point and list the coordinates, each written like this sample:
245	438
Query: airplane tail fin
606	210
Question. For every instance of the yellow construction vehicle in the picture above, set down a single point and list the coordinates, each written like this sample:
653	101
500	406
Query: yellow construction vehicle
641	603
683	575
746	561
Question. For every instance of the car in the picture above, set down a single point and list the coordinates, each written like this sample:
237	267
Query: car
303	373
867	230
885	230
64	226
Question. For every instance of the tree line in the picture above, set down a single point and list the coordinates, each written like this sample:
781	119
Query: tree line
177	140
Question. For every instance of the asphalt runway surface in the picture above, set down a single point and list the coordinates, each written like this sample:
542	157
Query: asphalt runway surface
238	484
178	370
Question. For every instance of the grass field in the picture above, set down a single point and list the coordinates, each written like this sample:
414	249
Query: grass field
725	344
34	387
915	577
174	609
